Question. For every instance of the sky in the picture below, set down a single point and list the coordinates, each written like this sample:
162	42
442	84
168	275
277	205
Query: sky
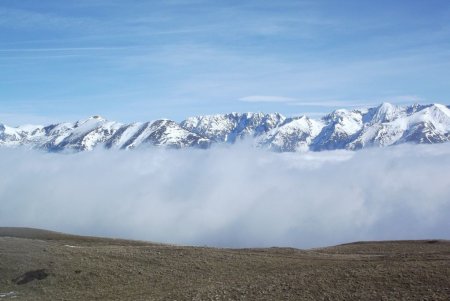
144	60
232	196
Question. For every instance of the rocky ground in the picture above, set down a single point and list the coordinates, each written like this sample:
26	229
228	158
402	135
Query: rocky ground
43	265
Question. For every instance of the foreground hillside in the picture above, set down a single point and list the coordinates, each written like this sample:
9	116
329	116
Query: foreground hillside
43	265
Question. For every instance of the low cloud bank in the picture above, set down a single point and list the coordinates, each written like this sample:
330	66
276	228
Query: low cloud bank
232	197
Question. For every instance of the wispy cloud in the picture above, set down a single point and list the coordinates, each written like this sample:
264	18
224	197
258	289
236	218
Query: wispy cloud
310	114
23	18
224	56
266	98
18	119
15	50
328	104
402	99
397	99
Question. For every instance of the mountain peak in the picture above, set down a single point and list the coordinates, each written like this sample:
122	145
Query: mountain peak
386	112
96	117
384	125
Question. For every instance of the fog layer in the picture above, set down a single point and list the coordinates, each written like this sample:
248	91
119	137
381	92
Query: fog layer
232	197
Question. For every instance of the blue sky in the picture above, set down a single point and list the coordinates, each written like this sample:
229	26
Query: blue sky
143	60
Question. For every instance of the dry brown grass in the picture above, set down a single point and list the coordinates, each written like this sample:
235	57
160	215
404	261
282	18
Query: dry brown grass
89	268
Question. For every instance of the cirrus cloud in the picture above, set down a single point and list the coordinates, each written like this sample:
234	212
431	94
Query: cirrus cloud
266	98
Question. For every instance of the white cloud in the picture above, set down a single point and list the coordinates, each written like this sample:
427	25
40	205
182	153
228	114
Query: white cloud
395	99
13	50
234	197
402	99
266	98
337	103
21	18
11	119
310	114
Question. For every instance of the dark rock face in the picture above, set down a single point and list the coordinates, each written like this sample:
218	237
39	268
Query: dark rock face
30	276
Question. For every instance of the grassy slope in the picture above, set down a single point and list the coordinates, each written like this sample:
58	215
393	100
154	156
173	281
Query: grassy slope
89	268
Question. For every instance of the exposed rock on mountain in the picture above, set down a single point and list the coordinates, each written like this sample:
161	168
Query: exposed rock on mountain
384	125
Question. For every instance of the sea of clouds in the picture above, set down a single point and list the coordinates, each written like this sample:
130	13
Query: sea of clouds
232	196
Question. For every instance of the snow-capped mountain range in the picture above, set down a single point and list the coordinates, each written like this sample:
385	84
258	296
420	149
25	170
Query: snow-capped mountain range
380	126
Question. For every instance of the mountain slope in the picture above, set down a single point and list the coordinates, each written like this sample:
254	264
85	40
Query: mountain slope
384	125
294	134
230	127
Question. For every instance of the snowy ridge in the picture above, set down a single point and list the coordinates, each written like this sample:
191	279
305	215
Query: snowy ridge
380	126
229	127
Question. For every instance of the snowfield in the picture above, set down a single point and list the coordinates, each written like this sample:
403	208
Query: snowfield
380	126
